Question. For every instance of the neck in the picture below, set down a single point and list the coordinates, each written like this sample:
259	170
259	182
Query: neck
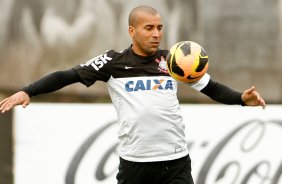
140	53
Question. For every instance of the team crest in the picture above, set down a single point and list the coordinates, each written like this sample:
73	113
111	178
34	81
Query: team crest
162	65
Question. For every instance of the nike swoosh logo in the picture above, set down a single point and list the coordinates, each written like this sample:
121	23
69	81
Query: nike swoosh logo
128	67
190	77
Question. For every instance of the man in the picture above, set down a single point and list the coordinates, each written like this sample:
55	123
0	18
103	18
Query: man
152	144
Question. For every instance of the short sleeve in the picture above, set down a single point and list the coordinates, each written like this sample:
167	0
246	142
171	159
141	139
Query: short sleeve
200	84
97	68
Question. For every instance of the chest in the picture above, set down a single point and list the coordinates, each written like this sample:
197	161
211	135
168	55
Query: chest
128	68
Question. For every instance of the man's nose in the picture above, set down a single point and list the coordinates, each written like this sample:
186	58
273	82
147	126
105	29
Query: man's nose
156	32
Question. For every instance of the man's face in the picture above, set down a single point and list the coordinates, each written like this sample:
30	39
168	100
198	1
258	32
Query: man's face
146	34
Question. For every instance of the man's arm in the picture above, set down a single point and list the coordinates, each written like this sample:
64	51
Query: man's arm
226	95
47	84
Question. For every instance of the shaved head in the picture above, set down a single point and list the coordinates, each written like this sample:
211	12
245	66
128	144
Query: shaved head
134	14
145	30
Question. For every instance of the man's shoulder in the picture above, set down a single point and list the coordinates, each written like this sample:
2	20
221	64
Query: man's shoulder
117	56
113	52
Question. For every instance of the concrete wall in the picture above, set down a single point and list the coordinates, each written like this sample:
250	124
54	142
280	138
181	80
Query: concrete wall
243	42
243	39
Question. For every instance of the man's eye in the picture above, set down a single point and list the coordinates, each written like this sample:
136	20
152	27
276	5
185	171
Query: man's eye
148	27
160	28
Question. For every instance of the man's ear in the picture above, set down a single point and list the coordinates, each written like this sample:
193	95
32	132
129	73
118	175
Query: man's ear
131	31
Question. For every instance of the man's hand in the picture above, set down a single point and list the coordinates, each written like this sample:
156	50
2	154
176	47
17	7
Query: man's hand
252	98
19	98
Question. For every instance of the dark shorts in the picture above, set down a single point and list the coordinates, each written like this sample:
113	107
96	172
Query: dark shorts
164	172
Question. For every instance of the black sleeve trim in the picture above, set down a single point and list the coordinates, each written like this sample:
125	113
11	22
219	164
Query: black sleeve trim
52	82
222	93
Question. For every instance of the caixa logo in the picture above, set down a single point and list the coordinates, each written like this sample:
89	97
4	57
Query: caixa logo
149	84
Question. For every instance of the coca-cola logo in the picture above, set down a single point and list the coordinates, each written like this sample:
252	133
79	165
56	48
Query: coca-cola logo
249	154
99	173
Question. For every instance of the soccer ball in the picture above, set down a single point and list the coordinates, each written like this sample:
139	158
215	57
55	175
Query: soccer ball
187	61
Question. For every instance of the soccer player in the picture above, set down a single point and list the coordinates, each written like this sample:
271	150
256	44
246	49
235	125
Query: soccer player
152	143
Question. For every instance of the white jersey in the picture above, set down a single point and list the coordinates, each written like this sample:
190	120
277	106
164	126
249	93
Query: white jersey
144	95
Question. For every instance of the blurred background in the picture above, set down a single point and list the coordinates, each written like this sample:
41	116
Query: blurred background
243	40
37	37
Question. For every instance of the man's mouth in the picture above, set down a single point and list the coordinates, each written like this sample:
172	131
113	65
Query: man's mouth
155	43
